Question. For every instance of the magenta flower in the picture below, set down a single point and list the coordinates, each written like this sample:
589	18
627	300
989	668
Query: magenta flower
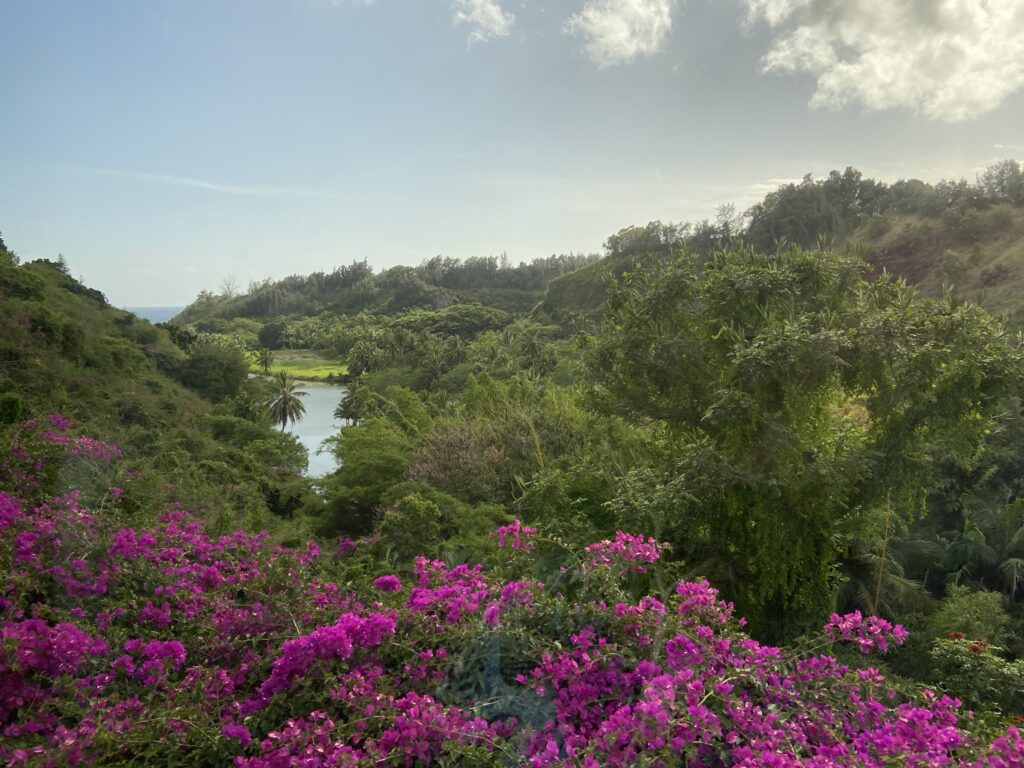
626	548
868	634
516	533
238	732
388	583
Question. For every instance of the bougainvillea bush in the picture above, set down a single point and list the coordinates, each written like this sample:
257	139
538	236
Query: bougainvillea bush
162	644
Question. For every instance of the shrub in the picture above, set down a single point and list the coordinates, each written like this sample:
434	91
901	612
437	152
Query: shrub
162	644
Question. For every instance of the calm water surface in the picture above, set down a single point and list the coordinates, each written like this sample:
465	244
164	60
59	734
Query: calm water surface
318	424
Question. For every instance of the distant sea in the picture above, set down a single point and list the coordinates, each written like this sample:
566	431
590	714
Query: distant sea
155	314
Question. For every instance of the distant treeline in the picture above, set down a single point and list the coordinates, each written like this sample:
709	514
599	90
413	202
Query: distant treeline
436	283
842	206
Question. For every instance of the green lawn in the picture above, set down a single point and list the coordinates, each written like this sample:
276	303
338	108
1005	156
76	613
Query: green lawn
305	364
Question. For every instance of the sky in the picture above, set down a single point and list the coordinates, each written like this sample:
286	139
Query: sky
163	146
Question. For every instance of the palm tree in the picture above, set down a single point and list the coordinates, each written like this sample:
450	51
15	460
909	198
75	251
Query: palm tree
991	547
265	359
361	402
283	403
884	573
874	576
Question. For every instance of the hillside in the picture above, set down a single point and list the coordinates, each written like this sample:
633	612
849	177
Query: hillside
64	349
969	236
980	253
435	284
955	233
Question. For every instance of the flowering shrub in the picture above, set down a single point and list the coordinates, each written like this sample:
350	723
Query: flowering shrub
388	583
41	451
164	644
973	671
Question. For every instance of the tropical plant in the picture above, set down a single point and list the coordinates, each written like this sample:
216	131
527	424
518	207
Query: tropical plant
283	403
359	403
874	577
991	546
265	359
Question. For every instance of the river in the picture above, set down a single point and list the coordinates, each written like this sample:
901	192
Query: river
318	424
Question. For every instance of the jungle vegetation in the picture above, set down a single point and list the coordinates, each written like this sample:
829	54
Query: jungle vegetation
815	404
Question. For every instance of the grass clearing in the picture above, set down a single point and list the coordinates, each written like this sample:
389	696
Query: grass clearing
305	364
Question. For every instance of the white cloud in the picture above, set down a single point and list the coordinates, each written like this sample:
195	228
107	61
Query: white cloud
949	59
618	31
774	11
486	18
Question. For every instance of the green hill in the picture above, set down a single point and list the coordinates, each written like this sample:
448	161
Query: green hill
64	349
980	253
970	236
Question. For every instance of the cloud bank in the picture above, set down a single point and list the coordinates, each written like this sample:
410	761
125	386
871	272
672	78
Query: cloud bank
948	59
619	31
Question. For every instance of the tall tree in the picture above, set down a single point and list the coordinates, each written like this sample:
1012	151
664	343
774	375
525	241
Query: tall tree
283	403
795	399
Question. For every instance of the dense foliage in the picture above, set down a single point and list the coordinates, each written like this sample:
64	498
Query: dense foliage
810	398
436	284
758	407
159	643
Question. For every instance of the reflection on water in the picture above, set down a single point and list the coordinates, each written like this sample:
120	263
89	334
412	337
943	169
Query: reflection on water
318	424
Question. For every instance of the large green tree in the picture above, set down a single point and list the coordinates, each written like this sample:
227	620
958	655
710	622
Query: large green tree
216	371
796	400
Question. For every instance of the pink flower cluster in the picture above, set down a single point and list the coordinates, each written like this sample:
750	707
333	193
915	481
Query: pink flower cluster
388	583
87	447
160	643
447	594
700	604
868	633
627	548
10	510
338	641
516	534
50	650
150	662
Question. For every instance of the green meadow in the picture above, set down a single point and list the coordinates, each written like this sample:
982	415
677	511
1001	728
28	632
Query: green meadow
306	364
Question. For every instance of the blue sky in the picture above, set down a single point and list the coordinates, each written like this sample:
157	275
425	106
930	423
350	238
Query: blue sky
163	145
